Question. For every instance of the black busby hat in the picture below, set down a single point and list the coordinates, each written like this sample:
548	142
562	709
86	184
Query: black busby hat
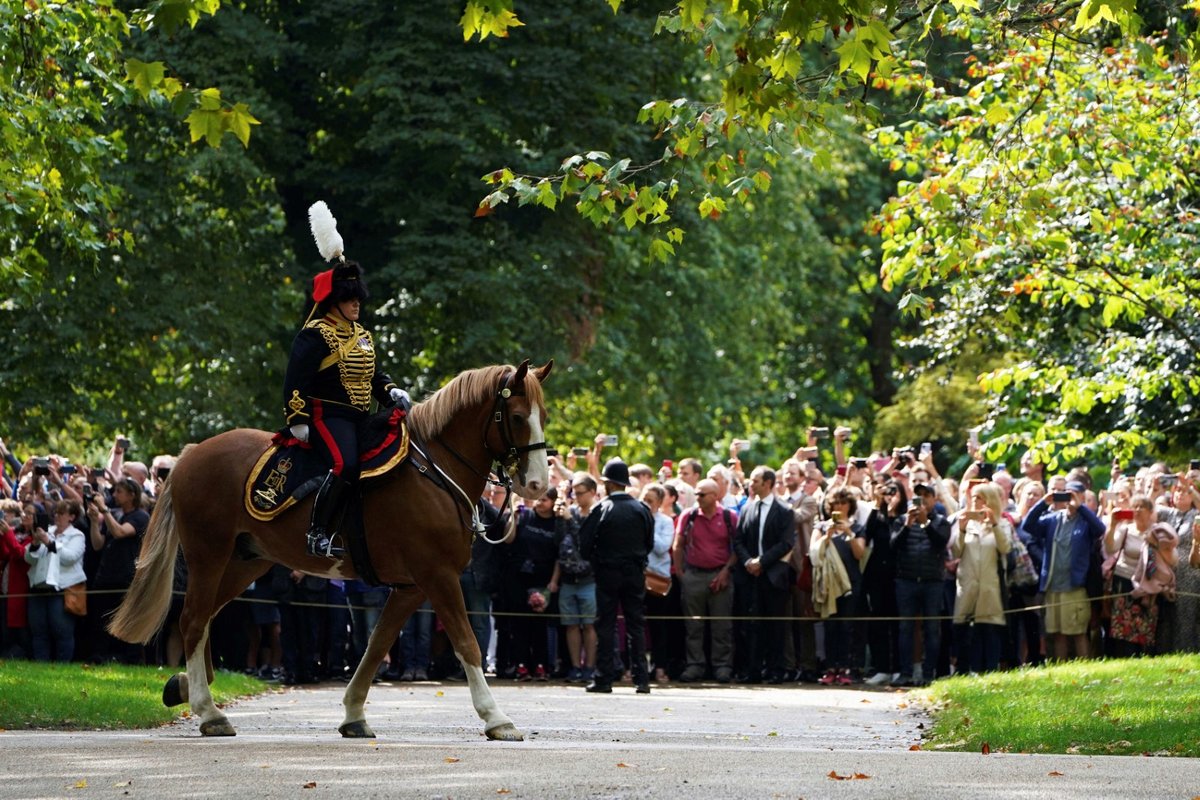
345	281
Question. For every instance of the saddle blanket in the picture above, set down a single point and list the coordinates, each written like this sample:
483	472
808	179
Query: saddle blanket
289	470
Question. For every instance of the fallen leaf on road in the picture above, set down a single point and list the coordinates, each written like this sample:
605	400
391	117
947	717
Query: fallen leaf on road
504	791
857	776
773	733
864	700
439	693
622	765
902	705
986	749
81	783
125	783
310	785
1055	774
915	747
451	760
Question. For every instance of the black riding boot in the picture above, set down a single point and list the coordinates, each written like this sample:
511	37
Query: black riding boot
325	508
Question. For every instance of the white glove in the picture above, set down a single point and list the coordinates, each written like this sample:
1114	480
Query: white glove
400	398
300	432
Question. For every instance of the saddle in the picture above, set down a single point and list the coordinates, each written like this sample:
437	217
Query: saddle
289	470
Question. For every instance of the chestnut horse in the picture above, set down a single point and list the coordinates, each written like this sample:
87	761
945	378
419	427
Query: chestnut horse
418	532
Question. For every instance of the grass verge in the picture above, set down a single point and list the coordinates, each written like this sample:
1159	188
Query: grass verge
1117	707
39	695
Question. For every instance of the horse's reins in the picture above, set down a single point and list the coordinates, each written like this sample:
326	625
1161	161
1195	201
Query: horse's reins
508	461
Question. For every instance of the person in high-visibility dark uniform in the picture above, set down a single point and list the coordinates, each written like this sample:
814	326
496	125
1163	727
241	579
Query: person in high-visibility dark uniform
330	381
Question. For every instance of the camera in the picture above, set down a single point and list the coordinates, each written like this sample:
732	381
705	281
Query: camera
610	441
986	470
124	444
1061	497
859	463
162	472
1194	463
579	451
88	493
1168	480
41	466
820	433
836	516
67	469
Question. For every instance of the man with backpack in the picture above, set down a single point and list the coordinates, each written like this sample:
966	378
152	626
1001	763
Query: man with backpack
703	557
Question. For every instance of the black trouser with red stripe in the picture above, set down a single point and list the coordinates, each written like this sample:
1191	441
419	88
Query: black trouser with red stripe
334	435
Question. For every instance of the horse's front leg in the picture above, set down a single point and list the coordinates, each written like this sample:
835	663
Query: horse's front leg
400	605
445	593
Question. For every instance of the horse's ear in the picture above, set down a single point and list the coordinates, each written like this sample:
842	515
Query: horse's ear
518	378
543	371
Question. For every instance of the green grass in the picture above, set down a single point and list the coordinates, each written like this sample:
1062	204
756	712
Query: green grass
39	695
1118	707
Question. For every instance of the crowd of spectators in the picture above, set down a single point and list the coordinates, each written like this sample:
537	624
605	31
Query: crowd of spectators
881	571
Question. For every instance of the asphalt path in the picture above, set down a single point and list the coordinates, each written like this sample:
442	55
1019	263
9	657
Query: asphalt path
694	741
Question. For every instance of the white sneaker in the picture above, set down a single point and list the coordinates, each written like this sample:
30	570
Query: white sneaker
878	678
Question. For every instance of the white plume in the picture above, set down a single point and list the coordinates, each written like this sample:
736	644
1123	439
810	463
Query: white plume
324	230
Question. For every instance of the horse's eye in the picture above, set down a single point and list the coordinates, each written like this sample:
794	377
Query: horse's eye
519	419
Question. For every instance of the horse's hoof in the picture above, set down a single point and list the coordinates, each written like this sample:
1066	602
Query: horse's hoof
217	727
359	729
505	733
176	691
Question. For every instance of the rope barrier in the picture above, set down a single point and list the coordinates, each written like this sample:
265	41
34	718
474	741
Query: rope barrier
545	615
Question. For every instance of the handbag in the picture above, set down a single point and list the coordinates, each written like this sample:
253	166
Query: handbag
75	599
1021	572
657	584
1110	562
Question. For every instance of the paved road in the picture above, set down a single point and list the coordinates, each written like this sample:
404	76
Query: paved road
714	742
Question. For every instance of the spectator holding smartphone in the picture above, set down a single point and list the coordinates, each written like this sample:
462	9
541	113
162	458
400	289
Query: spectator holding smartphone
56	562
1062	532
919	547
983	541
1179	624
117	535
16	531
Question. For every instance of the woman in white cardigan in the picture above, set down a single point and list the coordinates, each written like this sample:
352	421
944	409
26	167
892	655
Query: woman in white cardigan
56	562
983	541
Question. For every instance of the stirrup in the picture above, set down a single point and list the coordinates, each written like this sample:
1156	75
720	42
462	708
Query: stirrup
320	543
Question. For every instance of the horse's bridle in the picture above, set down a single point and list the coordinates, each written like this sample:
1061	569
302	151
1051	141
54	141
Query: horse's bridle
510	458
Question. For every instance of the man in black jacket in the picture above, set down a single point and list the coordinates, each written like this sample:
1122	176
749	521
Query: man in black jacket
616	537
762	578
919	551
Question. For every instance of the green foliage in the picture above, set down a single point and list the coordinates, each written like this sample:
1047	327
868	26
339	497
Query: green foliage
1117	707
1044	213
64	696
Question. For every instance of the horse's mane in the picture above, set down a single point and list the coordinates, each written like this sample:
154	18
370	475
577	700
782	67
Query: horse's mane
472	387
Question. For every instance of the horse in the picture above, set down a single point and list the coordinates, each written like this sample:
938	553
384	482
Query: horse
419	542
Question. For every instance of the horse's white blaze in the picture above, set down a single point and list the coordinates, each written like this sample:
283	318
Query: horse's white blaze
537	472
481	698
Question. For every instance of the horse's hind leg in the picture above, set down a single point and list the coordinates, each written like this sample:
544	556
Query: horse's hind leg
445	593
199	607
400	605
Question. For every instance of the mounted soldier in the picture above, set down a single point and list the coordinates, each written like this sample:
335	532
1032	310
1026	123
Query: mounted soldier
332	377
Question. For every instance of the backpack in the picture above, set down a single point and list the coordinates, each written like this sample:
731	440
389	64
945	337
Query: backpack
1021	572
569	560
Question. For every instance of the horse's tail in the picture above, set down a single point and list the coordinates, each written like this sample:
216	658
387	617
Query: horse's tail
148	600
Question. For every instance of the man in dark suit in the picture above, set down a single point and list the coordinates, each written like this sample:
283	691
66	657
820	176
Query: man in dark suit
766	534
616	537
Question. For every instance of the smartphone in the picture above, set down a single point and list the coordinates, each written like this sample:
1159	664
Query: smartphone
162	472
1194	463
836	516
669	466
973	437
915	503
67	469
1061	497
859	463
41	466
1123	514
96	474
610	441
986	470
124	444
88	493
926	449
579	451
820	433
1168	480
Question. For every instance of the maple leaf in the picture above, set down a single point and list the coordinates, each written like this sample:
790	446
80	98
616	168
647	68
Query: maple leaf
915	747
451	760
310	785
986	749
